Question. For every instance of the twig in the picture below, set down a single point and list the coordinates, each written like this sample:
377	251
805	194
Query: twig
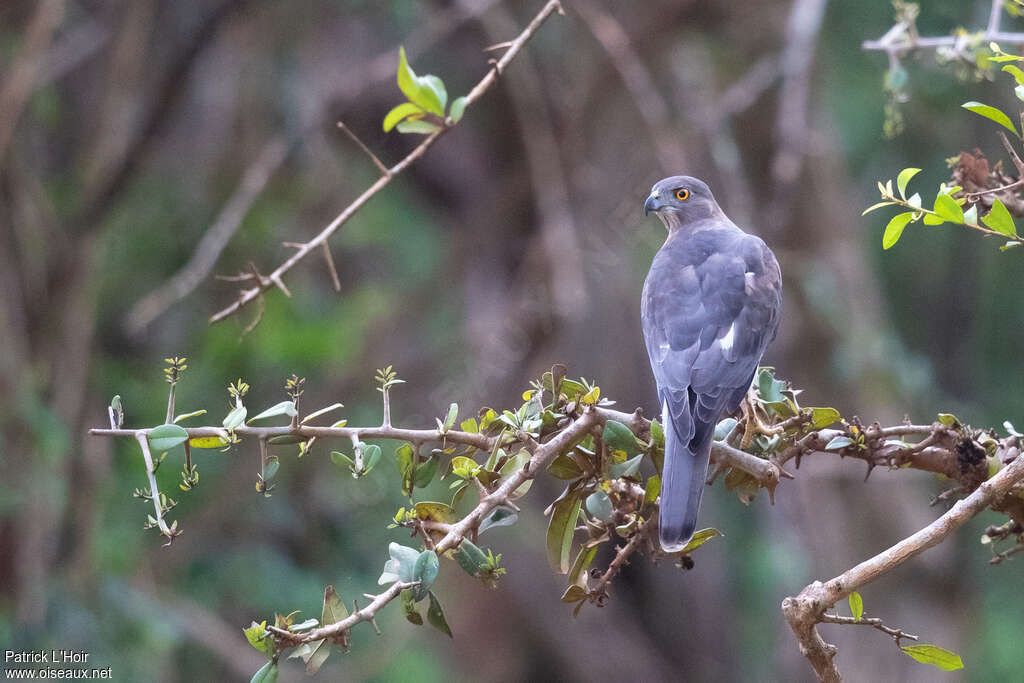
246	296
635	75
874	622
460	530
355	138
143	439
600	589
213	241
805	611
898	39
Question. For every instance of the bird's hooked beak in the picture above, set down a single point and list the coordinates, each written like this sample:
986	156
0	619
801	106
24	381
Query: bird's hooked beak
653	203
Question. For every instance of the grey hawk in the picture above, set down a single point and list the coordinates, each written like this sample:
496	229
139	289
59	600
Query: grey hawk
710	307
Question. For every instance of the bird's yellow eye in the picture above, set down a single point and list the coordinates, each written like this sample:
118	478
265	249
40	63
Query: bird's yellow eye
682	194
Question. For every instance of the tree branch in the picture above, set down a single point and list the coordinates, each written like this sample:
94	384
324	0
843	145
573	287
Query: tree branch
805	611
246	296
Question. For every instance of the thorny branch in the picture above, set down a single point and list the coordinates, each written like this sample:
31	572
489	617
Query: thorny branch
263	284
805	611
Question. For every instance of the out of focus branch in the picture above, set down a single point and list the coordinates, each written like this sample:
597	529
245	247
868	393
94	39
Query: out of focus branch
262	284
638	81
903	37
213	241
22	74
805	611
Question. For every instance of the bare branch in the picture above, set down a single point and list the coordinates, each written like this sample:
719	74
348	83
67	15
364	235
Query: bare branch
359	143
247	296
213	241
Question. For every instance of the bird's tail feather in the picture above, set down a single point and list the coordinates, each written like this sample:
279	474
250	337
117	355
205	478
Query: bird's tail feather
684	474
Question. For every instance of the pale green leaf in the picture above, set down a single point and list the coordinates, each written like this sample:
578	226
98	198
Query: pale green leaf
934	655
856	605
992	113
165	437
457	109
999	219
948	209
903	178
894	229
399	113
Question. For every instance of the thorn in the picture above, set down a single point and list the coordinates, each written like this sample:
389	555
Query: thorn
330	266
373	157
276	279
498	46
871	466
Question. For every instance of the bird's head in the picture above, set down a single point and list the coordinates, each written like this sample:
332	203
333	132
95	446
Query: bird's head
680	200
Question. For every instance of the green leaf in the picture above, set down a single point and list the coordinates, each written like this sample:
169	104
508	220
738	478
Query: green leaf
895	228
458	108
618	437
425	471
425	571
257	635
208	442
371	456
318	413
823	417
948	209
165	437
561	527
437	512
342	460
185	416
1016	72
931	219
724	428
235	418
990	112
266	674
453	414
948	419
600	506
435	615
470	557
999	219
437	85
423	127
334	609
934	655
564	467
856	605
700	538
409	608
875	206
652	489
629	468
282	408
469	426
400	113
401	566
903	178
420	91
838	442
502	515
769	388
271	468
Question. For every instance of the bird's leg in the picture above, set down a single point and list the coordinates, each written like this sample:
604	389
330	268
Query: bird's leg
752	422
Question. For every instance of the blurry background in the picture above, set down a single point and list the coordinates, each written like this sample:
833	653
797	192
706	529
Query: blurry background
517	242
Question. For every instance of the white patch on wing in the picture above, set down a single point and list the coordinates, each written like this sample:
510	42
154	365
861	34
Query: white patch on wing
664	414
729	338
748	283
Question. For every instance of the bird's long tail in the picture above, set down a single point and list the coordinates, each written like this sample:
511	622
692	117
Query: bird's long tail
684	474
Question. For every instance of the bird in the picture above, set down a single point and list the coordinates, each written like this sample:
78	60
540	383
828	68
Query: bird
710	307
